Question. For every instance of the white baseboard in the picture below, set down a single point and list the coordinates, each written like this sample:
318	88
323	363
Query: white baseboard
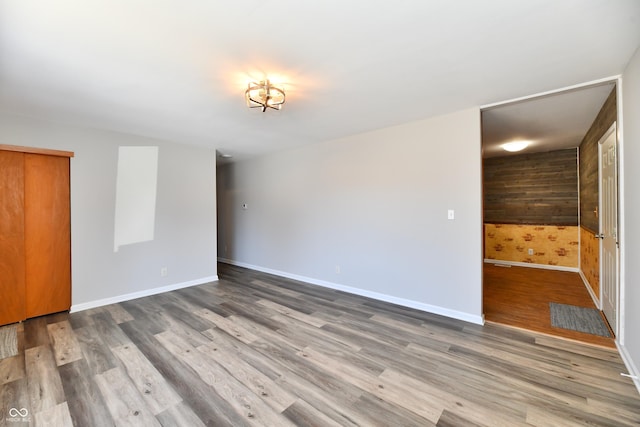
596	300
530	265
147	292
631	367
363	292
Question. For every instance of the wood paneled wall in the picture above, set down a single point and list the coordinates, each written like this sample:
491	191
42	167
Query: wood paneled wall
589	163
538	188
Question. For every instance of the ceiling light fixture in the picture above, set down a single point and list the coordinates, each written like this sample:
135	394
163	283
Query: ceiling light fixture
264	95
515	146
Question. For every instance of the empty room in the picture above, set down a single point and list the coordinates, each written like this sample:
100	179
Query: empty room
293	213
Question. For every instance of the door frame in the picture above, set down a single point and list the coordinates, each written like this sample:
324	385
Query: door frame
617	79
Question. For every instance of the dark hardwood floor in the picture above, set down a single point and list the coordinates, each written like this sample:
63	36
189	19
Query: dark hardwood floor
254	349
520	297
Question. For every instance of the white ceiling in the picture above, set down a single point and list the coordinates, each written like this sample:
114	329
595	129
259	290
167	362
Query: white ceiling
550	122
177	70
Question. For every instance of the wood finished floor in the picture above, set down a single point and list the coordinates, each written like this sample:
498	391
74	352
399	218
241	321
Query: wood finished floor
520	297
257	350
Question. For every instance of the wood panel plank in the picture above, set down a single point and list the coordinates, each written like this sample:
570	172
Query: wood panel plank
589	185
537	188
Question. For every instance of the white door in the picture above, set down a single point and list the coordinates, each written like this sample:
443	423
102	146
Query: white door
609	227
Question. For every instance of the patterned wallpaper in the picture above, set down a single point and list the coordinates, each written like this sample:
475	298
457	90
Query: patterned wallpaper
589	259
552	245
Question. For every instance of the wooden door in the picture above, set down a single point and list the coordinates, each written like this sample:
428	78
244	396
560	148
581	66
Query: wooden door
47	234
12	266
609	227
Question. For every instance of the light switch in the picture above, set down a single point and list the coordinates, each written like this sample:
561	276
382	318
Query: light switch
450	214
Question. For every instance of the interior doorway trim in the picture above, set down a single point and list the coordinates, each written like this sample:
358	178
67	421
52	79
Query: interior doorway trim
617	79
613	79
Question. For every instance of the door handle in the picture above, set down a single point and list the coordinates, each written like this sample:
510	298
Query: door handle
599	236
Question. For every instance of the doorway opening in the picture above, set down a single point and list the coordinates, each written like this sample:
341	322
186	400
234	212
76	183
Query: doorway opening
541	212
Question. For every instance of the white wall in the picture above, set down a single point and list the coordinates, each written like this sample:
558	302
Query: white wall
374	204
185	226
631	221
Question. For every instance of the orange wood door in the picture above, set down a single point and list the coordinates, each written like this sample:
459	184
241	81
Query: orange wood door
47	234
12	266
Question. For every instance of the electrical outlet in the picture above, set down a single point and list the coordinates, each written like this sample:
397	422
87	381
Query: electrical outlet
164	271
530	251
337	269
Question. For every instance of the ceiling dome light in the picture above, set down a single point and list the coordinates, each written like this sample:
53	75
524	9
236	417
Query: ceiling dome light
515	146
264	95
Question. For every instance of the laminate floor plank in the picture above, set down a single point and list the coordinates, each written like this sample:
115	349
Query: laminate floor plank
200	397
395	393
281	309
249	408
253	349
83	318
84	400
304	415
14	395
380	412
151	385
195	337
179	415
198	297
125	404
260	384
308	372
12	368
181	314
35	332
253	313
229	326
94	350
313	399
303	335
56	416
64	342
118	313
44	385
109	330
